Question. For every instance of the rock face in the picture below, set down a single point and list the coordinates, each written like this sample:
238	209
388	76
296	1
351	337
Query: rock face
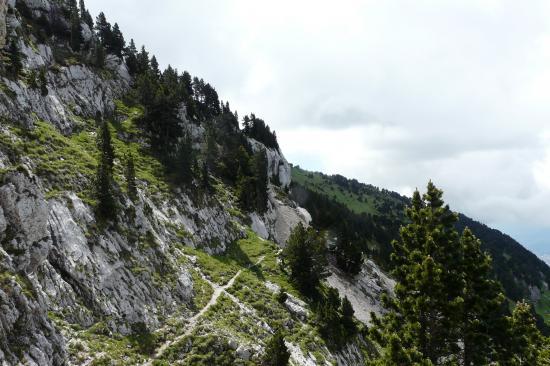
365	290
3	10
74	91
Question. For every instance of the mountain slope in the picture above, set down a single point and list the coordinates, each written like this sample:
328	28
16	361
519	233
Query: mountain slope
377	214
176	275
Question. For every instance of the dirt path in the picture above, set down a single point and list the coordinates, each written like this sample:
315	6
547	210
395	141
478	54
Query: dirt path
192	322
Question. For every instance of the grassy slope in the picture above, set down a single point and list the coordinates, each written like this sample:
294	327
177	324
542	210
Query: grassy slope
505	251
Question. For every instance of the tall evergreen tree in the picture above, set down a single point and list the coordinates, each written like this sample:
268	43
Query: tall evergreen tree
76	34
131	58
85	15
276	352
522	341
43	82
104	192
130	175
117	41
446	308
482	300
104	31
305	257
15	64
155	67
348	323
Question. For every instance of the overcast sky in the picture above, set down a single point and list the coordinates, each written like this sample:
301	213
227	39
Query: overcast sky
392	93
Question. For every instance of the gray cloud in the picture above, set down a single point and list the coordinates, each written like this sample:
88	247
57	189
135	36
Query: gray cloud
391	93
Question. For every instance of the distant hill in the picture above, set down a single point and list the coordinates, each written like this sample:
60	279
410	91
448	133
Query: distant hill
376	215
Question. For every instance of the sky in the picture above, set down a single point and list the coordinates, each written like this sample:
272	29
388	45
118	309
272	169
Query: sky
392	93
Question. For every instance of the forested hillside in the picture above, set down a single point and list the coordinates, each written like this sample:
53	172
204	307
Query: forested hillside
372	216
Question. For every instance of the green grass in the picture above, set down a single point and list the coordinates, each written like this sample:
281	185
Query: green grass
543	306
70	162
368	199
358	203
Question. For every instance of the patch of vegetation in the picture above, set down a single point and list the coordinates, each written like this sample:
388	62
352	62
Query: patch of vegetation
543	306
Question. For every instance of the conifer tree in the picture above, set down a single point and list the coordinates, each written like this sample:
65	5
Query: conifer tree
522	341
15	64
130	175
85	15
155	67
347	318
43	82
305	257
76	35
105	146
106	205
117	41
131	58
205	178
482	299
276	352
99	55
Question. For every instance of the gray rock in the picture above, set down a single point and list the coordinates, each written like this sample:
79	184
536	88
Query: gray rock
3	10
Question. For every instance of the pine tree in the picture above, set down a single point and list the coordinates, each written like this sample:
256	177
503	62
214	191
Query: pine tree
130	174
523	341
104	30
205	178
105	146
482	300
305	257
276	353
117	41
347	318
427	258
131	58
85	15
43	82
76	34
106	204
142	61
99	55
260	181
155	67
15	64
328	319
349	256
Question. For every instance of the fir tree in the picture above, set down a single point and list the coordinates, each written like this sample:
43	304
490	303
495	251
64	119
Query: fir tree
76	34
348	323
155	67
104	31
131	58
105	146
276	353
117	41
130	175
482	299
205	178
305	257
106	204
99	55
43	82
142	61
15	64
523	341
85	15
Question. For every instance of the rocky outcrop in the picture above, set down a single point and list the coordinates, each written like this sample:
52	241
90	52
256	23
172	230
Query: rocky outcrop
364	290
74	91
278	169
